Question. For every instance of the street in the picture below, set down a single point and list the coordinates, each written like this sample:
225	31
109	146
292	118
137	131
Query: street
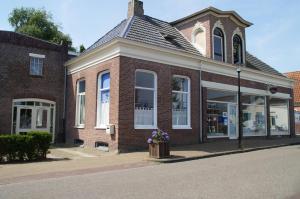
272	173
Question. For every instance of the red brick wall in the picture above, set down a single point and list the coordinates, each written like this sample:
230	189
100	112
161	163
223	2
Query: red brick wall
89	134
16	82
133	138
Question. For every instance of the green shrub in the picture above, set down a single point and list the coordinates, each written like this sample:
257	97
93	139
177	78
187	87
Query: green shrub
32	146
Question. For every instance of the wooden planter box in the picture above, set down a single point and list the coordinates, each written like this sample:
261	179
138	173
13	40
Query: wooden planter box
159	150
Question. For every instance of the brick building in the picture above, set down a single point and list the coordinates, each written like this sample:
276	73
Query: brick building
296	77
32	78
180	77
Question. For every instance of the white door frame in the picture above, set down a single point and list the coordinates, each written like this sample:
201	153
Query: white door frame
34	109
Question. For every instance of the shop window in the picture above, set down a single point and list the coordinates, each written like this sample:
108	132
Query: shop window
279	114
254	115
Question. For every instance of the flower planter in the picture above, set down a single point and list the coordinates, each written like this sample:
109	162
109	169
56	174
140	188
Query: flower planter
159	150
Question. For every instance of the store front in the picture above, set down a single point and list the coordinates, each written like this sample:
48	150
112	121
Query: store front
33	115
222	114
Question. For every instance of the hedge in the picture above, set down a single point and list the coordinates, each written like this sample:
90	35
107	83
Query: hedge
32	146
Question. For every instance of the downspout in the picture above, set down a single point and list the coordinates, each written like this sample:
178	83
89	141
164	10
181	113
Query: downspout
201	105
65	93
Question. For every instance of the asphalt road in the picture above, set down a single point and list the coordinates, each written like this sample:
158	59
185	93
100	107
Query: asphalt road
273	173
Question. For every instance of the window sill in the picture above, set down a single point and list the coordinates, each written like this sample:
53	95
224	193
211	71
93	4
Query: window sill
100	127
221	136
181	127
145	127
79	127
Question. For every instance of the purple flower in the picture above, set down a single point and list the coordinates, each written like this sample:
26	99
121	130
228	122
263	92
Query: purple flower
149	141
154	133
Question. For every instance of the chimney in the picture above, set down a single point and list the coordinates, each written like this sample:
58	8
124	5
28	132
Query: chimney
135	7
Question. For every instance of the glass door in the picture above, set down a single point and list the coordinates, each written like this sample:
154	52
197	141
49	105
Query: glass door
232	117
24	119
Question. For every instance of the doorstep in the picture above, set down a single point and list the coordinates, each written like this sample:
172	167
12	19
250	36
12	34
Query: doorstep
180	155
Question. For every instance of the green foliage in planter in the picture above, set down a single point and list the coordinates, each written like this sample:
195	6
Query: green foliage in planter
32	146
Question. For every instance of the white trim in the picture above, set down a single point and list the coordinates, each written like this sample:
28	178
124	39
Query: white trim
198	28
188	126
34	109
219	25
154	126
77	113
221	86
37	55
215	12
133	49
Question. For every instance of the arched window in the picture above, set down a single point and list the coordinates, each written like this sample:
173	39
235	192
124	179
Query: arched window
218	45
103	99
237	49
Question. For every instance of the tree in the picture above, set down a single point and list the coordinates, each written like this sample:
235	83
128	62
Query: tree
38	23
81	48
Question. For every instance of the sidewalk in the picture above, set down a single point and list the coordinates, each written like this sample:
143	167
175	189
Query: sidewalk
225	147
66	161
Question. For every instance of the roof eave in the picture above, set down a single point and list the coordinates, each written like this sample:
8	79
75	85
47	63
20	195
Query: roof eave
217	11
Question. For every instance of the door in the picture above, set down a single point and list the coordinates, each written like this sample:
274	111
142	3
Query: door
32	119
232	123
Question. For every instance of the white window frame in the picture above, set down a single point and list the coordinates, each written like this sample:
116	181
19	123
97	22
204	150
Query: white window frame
222	47
100	90
188	126
154	126
40	65
77	115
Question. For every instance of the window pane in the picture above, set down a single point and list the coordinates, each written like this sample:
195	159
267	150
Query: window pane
144	98
218	45
251	99
25	118
222	96
254	121
41	118
144	107
36	66
144	79
279	116
237	49
105	80
81	109
104	108
180	109
217	119
180	84
81	87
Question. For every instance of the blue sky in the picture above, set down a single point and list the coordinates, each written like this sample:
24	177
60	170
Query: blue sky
274	37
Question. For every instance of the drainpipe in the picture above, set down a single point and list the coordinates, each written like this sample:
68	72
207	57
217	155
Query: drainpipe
65	93
201	105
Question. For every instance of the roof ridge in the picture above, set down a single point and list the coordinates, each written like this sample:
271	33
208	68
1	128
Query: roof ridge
127	27
106	34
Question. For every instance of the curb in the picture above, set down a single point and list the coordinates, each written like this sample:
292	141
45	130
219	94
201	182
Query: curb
184	159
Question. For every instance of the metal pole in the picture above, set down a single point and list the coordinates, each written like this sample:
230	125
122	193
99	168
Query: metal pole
240	109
